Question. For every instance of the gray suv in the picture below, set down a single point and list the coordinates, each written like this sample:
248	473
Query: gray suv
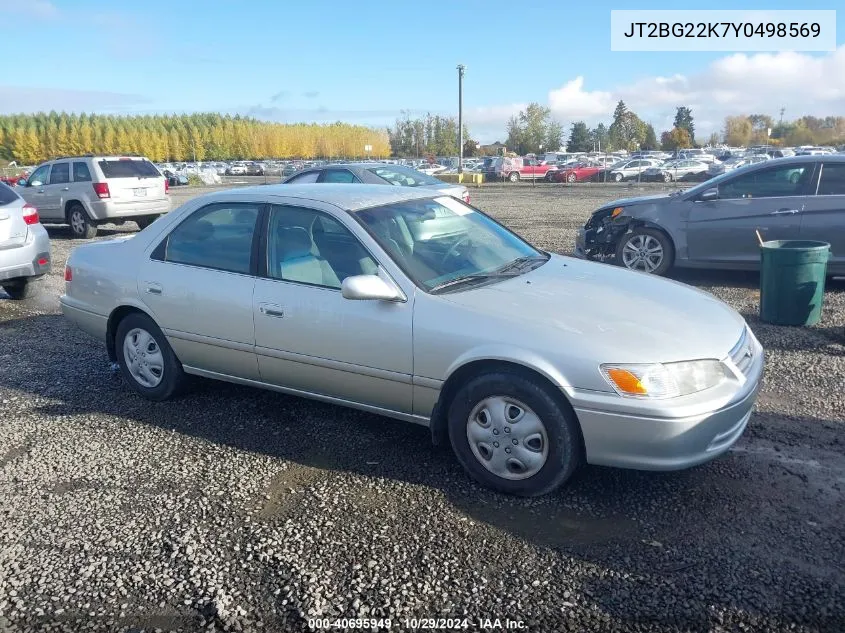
713	224
85	191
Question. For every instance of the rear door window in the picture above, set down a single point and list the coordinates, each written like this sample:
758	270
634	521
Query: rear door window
308	177
338	175
60	174
81	173
832	182
128	169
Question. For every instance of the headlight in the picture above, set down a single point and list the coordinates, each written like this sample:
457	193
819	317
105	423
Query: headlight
667	380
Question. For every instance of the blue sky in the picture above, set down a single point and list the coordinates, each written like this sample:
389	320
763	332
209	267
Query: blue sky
364	62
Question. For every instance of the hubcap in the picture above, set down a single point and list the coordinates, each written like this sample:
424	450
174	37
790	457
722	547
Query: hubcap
143	358
77	222
642	252
507	438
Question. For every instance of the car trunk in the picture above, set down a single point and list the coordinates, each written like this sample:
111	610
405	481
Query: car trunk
132	180
13	229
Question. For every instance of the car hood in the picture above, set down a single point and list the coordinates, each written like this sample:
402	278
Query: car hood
630	202
620	315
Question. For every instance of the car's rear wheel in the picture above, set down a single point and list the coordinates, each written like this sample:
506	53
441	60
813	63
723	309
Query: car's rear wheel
81	226
20	289
514	176
513	435
145	220
618	177
146	359
667	177
646	250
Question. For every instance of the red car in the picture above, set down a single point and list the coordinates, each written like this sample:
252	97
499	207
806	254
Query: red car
577	173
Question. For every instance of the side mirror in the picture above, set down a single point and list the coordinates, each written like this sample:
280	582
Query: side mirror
709	194
368	288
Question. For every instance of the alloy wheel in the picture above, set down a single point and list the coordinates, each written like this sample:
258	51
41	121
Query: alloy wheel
643	253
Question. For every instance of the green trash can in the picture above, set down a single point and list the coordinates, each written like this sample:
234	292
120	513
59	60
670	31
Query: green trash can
792	277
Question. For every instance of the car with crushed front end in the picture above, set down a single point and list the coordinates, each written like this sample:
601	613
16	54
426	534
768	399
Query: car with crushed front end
715	224
414	305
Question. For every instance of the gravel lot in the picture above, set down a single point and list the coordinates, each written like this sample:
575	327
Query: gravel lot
238	509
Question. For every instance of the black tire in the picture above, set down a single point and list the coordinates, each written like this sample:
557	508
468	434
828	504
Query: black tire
513	176
145	220
667	177
571	178
81	226
618	177
565	451
20	290
173	377
666	243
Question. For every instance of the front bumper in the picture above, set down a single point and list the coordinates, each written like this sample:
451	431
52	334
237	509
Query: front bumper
680	437
30	259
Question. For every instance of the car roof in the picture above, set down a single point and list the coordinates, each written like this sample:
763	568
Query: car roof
350	197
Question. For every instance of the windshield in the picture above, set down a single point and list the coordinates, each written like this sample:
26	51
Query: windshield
404	176
440	240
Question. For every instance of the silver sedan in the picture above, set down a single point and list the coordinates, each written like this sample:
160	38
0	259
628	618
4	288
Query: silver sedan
416	306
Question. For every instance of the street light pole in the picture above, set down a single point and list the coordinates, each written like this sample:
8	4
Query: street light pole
461	69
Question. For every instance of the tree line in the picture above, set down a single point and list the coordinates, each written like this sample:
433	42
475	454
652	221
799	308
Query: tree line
427	136
32	138
627	131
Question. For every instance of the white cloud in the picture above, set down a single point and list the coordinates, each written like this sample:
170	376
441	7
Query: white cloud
762	83
15	99
41	9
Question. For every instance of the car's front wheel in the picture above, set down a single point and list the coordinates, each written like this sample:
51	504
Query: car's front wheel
514	176
146	359
571	178
513	435
645	250
618	177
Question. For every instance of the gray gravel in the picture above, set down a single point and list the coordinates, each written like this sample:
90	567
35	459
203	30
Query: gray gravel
236	509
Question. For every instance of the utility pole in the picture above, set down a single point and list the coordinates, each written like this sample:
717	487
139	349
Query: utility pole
782	110
461	69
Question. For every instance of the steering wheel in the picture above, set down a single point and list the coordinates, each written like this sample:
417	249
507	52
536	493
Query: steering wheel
453	250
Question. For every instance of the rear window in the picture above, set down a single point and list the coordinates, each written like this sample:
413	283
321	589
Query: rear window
7	196
128	169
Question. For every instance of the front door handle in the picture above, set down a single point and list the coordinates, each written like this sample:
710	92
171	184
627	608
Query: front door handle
65	188
153	288
271	310
784	212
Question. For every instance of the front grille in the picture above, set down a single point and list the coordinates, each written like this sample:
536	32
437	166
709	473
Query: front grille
742	354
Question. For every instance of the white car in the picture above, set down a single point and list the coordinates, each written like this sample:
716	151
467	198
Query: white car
735	163
632	168
24	245
430	170
85	191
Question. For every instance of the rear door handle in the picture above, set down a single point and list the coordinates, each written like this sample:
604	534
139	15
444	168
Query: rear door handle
271	310
784	212
153	288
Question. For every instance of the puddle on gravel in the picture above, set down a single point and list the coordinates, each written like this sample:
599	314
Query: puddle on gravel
551	526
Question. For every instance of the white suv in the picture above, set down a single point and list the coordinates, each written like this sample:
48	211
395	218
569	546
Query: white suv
85	191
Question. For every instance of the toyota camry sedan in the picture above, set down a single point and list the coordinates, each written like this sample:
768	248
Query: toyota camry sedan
414	305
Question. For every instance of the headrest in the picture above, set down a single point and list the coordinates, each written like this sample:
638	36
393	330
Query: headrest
294	241
199	231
